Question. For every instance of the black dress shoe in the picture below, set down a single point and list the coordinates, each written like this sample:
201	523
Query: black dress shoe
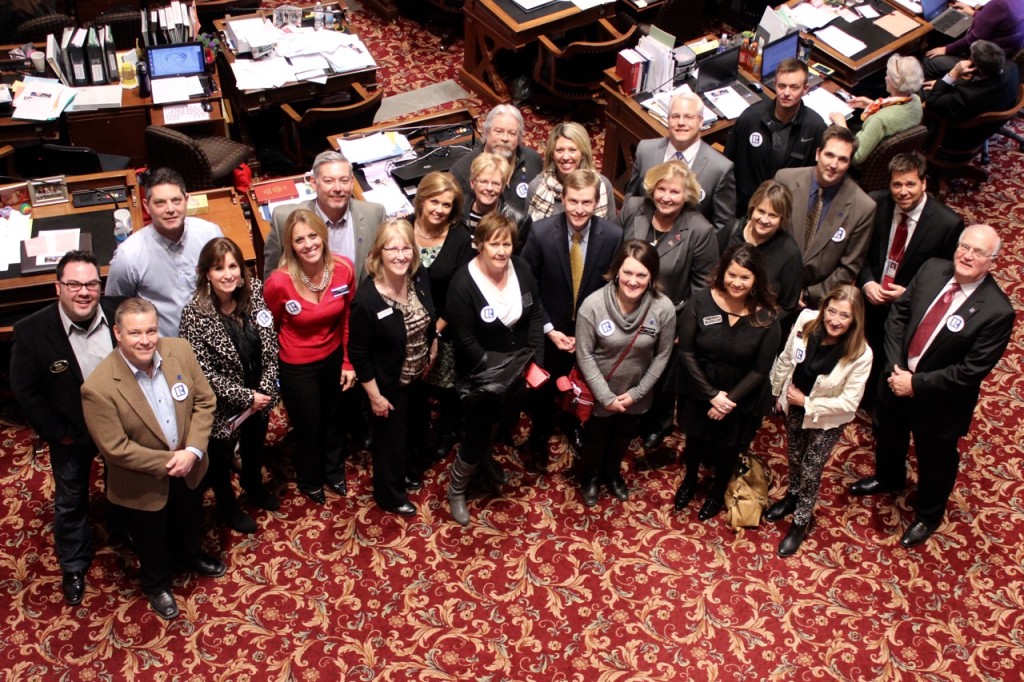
617	487
653	440
239	521
589	492
339	487
413	482
916	533
684	494
869	486
444	445
263	499
710	509
794	538
315	495
781	509
208	566
73	586
405	509
162	601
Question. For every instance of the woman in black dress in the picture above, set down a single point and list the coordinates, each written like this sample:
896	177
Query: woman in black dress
728	335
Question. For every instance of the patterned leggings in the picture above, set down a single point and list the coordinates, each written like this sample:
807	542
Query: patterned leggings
808	452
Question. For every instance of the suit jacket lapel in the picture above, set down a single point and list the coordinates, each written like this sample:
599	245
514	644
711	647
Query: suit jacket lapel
700	161
919	234
830	223
799	219
129	389
58	337
968	309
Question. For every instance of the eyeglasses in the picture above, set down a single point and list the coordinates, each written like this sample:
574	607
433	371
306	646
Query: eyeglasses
74	287
488	184
974	250
395	250
832	312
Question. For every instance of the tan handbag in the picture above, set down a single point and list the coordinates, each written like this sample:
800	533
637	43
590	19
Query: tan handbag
746	498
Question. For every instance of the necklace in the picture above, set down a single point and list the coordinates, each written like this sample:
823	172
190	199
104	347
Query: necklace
430	237
323	281
658	235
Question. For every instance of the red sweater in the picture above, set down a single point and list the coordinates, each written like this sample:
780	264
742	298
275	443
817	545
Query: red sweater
309	332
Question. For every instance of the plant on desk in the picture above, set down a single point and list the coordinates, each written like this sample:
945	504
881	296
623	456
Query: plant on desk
211	47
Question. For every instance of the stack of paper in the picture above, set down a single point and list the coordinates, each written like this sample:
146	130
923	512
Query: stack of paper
14	229
41	99
825	103
374	147
96	97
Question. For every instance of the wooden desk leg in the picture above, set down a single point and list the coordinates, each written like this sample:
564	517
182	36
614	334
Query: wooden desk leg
478	70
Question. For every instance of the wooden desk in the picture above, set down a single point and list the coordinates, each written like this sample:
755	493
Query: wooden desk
226	210
495	25
849	71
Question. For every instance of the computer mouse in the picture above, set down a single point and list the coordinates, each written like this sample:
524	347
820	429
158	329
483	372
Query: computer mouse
207	106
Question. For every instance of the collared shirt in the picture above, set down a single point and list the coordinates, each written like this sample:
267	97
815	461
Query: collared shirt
90	345
159	270
340	234
158	395
913	218
958	299
689	154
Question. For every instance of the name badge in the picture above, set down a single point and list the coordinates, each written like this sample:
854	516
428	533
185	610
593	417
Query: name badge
264	318
59	366
487	314
756	139
712	319
527	300
384	313
606	328
649	329
839	236
179	391
799	353
339	291
293	307
954	323
889	272
521	190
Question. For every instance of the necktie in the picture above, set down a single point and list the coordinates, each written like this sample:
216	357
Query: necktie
576	264
813	217
896	250
678	156
932	319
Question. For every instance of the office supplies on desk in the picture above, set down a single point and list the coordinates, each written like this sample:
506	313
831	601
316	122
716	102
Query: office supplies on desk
185	113
95	97
41	99
896	23
945	19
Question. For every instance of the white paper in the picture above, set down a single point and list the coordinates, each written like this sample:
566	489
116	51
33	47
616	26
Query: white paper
849	15
351	58
396	204
773	24
841	41
97	97
177	89
41	99
374	147
825	103
869	12
272	72
727	101
587	4
240	418
13	230
810	17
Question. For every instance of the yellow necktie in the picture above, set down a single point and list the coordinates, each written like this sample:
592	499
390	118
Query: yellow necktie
576	264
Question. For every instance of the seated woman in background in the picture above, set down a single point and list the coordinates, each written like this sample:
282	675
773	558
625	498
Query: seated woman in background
310	296
728	336
444	246
233	336
568	149
488	176
624	334
818	381
886	116
493	312
391	346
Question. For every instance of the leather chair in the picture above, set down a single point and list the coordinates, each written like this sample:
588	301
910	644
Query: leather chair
204	162
449	14
72	160
306	130
35	30
955	144
211	10
874	172
125	25
574	72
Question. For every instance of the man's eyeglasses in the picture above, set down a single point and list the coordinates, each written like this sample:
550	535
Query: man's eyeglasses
74	287
975	250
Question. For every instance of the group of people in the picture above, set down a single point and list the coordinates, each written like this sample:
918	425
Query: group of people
724	288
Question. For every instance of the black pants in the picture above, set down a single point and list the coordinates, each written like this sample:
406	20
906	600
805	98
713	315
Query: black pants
166	537
722	458
485	418
874	331
938	458
72	468
807	453
312	396
251	435
403	429
605	443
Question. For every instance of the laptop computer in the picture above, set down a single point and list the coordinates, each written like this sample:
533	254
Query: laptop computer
945	19
774	53
441	159
176	61
722	71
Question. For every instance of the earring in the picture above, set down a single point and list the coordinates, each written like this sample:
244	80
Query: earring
209	288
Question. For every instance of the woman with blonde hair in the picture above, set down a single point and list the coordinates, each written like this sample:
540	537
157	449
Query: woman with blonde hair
568	149
488	176
310	296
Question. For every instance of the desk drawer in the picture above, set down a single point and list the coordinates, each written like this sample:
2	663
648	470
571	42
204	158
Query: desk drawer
114	131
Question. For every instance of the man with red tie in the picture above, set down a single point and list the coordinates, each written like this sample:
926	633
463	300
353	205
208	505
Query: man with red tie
910	228
943	337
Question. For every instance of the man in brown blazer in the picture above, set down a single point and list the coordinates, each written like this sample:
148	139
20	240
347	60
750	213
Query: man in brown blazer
149	410
832	217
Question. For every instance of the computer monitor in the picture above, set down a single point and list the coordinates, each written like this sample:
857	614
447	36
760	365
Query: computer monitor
183	59
718	70
774	53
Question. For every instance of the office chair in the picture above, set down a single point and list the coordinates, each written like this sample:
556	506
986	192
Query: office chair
574	71
204	162
72	160
212	10
449	14
874	172
305	130
1007	131
125	25
35	30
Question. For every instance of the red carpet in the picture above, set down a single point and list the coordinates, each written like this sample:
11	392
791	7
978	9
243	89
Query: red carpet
539	587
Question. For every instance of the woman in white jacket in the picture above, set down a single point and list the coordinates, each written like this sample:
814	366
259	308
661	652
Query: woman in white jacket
818	381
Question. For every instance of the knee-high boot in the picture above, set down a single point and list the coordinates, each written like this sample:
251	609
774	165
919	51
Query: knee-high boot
458	480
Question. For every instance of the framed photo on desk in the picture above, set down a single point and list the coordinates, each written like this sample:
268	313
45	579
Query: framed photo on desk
47	191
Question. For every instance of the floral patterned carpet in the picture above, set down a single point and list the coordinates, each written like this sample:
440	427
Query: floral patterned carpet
539	587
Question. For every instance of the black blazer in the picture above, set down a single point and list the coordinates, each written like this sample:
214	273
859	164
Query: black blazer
456	251
376	338
547	253
936	236
948	377
50	396
474	337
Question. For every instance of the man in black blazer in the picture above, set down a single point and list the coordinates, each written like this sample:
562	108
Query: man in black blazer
548	253
54	351
943	336
910	228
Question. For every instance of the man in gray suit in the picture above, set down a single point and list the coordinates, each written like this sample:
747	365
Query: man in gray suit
832	217
351	223
714	171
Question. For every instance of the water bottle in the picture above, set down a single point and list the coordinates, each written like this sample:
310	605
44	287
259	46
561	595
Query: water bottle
142	73
318	16
329	19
